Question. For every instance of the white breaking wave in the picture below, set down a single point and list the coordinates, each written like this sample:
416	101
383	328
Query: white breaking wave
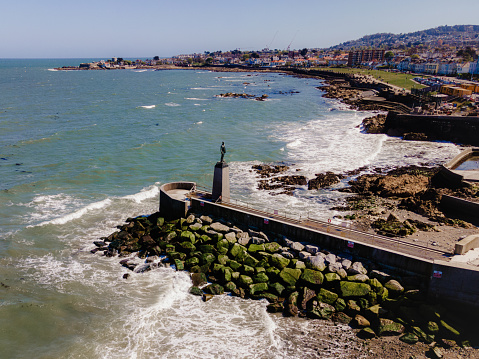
148	106
172	104
94	208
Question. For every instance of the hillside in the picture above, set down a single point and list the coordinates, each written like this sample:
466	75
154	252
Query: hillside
458	36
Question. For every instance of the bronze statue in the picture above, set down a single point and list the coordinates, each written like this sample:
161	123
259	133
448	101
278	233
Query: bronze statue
223	151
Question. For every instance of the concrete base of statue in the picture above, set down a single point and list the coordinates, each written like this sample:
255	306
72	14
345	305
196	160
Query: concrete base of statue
221	183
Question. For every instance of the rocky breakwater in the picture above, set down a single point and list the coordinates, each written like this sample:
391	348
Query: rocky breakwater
243	95
296	278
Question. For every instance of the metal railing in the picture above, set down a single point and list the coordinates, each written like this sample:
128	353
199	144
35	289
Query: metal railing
344	230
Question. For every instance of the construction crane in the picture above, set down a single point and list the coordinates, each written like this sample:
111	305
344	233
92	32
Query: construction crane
267	46
287	49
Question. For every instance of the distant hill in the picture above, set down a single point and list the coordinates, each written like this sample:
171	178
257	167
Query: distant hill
458	35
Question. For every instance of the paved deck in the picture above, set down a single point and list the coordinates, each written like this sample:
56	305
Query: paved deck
400	245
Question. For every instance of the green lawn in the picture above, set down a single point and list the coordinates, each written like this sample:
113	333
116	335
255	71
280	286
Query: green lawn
393	78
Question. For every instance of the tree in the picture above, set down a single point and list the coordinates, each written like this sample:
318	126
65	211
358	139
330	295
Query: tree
156	58
389	55
304	52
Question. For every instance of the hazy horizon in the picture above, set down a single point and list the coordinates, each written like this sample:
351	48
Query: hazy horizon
55	29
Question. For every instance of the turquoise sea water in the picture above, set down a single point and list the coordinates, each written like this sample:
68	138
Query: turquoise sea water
80	151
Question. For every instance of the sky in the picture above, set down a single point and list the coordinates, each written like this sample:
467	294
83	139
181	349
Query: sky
147	28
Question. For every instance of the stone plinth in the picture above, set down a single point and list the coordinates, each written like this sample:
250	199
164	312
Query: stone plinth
221	182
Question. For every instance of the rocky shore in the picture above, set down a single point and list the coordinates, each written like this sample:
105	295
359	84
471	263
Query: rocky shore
296	278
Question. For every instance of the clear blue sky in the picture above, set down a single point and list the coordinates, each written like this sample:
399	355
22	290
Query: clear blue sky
147	28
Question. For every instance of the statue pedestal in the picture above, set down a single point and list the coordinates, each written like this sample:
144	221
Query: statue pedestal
221	182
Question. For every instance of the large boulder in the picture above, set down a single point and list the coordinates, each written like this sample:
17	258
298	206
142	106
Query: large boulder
218	227
389	327
321	310
353	289
312	277
394	287
317	262
290	276
278	261
326	296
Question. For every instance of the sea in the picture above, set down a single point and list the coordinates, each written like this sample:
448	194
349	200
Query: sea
81	151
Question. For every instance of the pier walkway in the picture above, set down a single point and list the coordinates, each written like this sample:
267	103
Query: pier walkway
344	232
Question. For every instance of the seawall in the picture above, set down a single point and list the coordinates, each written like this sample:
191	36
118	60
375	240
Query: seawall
458	129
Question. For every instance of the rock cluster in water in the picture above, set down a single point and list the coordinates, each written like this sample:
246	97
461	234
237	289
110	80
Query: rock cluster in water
296	278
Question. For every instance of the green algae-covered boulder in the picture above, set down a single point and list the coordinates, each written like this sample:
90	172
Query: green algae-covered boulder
257	288
214	289
177	255
272	247
259	270
363	303
340	305
224	274
196	291
290	276
235	276
171	236
353	289
253	248
270	297
206	248
311	276
230	287
217	267
261	278
245	269
234	265
195	227
188	236
278	261
160	221
193	261
321	310
331	278
277	288
207	258
273	273
389	327
222	246
170	248
205	239
326	296
223	259
250	261
245	281
409	338
237	251
179	264
375	285
186	247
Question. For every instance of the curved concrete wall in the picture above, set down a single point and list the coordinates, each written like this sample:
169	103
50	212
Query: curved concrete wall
171	207
464	155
